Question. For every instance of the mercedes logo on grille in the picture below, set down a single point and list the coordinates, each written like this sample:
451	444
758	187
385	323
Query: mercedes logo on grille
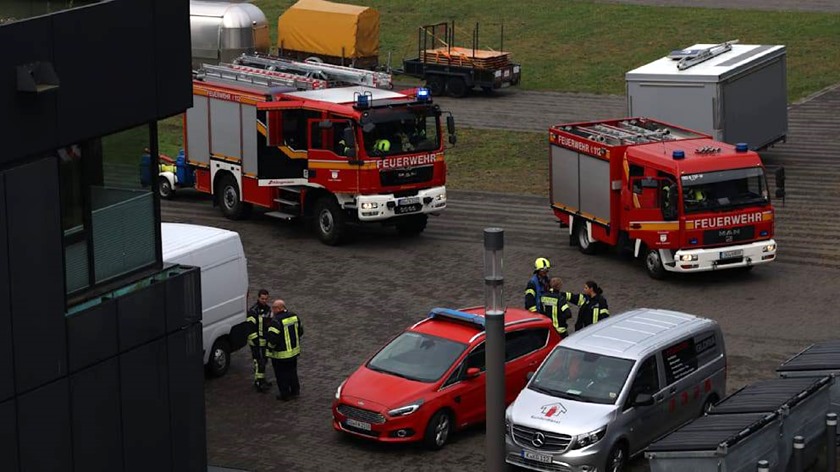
538	440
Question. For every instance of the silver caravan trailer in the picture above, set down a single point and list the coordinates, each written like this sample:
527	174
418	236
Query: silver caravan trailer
221	31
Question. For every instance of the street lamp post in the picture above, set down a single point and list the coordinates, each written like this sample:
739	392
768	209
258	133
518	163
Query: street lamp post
494	314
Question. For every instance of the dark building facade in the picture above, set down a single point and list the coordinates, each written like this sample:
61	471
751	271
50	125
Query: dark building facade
100	343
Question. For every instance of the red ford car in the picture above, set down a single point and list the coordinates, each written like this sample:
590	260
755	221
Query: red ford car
429	380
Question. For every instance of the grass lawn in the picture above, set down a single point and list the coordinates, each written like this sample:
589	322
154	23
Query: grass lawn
578	46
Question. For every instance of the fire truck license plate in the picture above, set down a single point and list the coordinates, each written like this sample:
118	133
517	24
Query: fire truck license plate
731	254
400	210
408	201
545	459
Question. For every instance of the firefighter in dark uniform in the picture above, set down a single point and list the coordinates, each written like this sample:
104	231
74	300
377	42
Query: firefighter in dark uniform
593	305
537	285
284	335
555	305
258	318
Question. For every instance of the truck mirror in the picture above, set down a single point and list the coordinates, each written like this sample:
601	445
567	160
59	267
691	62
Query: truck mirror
780	178
349	141
450	125
780	193
368	127
643	399
452	139
325	124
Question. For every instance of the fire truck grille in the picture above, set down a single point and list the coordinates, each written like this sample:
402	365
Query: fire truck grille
728	235
361	415
413	175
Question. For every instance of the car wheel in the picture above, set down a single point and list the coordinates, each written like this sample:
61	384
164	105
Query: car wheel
230	199
330	221
165	188
653	264
412	225
219	361
584	243
617	459
438	430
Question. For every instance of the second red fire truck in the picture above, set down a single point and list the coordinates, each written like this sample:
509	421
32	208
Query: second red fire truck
336	155
674	197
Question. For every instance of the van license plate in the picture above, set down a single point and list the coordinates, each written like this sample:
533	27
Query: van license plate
731	254
358	424
545	459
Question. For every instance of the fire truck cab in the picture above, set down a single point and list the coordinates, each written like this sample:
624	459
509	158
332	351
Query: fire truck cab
674	197
336	155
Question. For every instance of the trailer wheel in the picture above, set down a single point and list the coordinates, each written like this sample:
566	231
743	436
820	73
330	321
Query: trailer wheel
165	188
457	87
412	225
330	221
230	199
436	85
584	243
653	264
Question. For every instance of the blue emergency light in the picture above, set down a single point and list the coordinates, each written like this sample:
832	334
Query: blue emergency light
423	95
457	315
363	100
677	155
741	147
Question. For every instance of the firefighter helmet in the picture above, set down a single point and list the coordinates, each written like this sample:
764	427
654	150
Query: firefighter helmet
382	145
542	264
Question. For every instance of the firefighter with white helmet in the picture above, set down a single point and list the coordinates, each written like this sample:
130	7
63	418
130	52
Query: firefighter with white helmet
537	285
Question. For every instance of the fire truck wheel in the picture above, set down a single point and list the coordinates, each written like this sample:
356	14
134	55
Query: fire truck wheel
412	225
457	87
436	85
230	199
653	264
584	243
330	221
165	188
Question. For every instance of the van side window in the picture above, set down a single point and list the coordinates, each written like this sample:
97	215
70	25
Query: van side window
647	380
680	359
524	342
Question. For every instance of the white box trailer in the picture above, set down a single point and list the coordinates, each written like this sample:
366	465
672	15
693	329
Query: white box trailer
737	93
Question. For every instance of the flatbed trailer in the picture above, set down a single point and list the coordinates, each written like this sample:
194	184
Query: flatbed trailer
453	70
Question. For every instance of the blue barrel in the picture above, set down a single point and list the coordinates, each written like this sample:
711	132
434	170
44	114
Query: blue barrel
145	176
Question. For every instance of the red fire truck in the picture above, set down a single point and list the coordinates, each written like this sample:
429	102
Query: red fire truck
674	197
337	155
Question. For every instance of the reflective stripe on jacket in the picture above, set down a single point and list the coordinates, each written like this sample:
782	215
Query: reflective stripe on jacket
284	335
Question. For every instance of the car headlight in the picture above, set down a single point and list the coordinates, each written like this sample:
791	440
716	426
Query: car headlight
688	257
588	439
769	248
441	197
369	205
406	410
338	390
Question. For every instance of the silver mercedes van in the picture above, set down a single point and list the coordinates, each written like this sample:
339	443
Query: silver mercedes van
608	391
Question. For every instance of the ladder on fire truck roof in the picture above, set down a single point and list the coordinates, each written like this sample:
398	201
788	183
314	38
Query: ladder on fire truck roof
692	57
626	132
243	75
317	70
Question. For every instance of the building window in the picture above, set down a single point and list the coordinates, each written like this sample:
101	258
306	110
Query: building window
108	219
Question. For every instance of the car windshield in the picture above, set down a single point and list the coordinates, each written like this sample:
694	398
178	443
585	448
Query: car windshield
582	376
417	356
724	189
401	131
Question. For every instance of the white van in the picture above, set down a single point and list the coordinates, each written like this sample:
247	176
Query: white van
224	283
606	392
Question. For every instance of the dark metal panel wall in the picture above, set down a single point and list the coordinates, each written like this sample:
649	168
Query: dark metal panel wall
97	429
142	316
174	56
183	300
92	335
36	258
7	377
44	428
144	395
28	121
8	436
186	393
119	87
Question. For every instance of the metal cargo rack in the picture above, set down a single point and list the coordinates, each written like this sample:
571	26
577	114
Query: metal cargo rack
721	443
817	360
334	74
